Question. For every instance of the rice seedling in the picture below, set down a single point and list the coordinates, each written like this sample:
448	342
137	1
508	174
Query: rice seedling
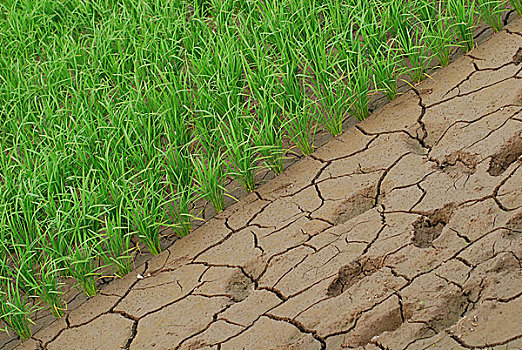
386	68
237	134
490	11
462	14
118	250
327	86
262	83
517	5
16	307
439	38
146	212
84	265
209	176
413	46
299	111
179	207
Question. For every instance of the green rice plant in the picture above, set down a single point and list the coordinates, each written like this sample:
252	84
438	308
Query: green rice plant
16	308
180	184
413	45
237	133
462	14
262	83
179	207
439	38
42	279
300	126
84	264
397	15
209	175
299	111
517	5
384	58
269	138
49	286
118	250
425	11
327	85
145	212
385	63
490	11
356	76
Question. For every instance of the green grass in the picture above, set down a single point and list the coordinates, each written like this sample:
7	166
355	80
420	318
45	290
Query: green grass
117	116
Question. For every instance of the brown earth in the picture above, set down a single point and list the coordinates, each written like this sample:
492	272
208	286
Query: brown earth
405	232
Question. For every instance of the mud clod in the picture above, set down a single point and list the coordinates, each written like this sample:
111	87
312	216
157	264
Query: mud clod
376	323
429	227
507	155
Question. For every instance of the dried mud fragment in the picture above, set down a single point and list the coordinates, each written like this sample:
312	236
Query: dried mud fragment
514	226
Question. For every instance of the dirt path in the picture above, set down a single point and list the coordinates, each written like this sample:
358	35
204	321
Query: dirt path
403	233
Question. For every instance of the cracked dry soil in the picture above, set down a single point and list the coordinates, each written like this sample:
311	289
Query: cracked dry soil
405	232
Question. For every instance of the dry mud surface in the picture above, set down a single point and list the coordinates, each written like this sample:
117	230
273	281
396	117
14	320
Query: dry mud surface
403	233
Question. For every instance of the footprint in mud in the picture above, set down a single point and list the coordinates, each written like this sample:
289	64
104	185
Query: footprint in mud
352	273
514	226
507	155
462	161
429	227
239	286
354	206
517	58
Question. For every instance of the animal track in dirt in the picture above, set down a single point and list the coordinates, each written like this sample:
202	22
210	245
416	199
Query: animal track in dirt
517	58
354	206
429	227
463	161
510	151
352	273
239	286
514	224
386	317
447	313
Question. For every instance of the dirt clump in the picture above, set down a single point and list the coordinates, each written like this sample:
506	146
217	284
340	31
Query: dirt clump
514	225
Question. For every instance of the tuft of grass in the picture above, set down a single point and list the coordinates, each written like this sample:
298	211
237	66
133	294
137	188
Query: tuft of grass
517	5
209	175
490	11
462	14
